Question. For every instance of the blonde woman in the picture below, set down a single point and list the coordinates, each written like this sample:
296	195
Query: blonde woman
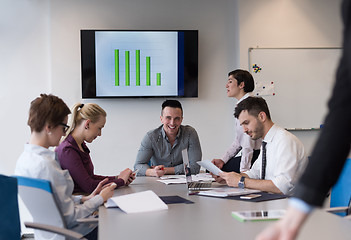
86	123
47	120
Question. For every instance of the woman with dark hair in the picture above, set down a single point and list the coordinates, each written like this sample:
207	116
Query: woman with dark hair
239	86
47	120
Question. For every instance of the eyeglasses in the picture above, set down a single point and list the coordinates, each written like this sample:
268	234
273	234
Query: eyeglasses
65	127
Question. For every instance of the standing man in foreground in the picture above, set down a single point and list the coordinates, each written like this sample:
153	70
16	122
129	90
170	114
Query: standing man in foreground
282	155
160	150
239	86
330	152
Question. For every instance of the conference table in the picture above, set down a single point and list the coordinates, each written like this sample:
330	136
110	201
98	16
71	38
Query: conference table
206	218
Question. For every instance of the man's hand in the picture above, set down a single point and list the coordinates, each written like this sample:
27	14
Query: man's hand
218	179
218	162
159	171
231	178
156	171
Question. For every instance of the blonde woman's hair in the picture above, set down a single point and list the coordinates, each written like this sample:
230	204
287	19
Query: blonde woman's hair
81	112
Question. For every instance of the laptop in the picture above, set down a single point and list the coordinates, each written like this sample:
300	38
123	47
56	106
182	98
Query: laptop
193	186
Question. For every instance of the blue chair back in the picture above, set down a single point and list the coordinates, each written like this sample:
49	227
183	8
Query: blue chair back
341	191
37	196
10	225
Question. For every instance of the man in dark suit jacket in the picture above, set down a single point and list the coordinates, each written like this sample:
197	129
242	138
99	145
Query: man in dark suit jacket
330	152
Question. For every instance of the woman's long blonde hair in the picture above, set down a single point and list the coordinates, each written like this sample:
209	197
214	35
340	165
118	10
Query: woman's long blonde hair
81	112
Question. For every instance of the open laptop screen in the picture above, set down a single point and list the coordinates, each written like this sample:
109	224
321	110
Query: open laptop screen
186	166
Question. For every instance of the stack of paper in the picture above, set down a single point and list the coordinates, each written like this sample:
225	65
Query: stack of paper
165	177
226	192
180	179
146	201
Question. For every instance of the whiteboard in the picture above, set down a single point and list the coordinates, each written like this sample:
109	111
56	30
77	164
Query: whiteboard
295	82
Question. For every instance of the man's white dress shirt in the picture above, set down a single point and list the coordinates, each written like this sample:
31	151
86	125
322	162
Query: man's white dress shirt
286	159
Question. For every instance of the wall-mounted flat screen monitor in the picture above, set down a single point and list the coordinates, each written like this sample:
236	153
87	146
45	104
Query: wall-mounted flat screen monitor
139	63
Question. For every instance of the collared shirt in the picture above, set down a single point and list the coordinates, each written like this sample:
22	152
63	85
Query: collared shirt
39	162
244	141
80	166
155	149
285	159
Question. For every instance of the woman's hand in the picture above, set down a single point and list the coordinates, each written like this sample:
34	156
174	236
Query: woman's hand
102	184
107	192
127	176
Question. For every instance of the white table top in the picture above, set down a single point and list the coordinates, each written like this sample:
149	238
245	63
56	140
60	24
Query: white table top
207	218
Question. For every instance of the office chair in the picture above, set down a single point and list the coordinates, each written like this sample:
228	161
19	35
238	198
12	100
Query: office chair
344	211
38	197
10	226
340	197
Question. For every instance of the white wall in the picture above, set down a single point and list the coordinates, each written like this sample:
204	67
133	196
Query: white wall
40	52
289	23
128	119
24	71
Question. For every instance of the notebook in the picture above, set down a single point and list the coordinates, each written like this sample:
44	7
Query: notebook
193	186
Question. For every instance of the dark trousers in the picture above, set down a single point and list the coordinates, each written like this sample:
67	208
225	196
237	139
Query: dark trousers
233	165
93	235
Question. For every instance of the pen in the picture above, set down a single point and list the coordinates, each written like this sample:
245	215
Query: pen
193	193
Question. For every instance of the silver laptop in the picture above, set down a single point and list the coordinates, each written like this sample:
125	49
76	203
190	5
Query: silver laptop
193	186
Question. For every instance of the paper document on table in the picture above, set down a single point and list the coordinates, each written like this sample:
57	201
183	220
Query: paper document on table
173	181
226	192
145	201
172	177
202	177
210	167
180	179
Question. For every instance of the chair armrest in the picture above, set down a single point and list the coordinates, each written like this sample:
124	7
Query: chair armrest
88	220
336	209
53	229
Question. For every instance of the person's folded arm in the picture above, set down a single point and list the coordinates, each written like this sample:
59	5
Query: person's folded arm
144	155
262	185
194	152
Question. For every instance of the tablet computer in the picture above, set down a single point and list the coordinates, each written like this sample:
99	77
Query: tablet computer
263	215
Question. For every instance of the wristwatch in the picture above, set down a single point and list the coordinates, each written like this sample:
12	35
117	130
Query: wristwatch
241	183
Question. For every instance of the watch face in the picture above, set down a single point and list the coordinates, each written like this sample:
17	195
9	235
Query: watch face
241	183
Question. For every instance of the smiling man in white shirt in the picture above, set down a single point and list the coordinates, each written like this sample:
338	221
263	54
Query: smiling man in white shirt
279	164
239	86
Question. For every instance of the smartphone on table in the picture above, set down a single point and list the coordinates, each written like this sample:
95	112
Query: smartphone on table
250	196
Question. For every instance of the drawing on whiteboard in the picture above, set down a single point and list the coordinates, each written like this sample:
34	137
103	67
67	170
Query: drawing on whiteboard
256	68
264	88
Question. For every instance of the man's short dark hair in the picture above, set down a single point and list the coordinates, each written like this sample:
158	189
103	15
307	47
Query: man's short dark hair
172	104
244	76
253	105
